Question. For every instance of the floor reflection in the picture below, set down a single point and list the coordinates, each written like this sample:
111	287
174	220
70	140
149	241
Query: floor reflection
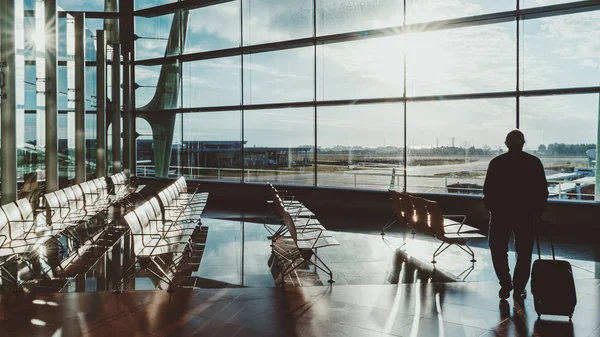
229	252
407	269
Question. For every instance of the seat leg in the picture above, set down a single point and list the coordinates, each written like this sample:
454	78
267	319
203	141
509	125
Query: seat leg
440	250
468	250
286	271
328	271
388	224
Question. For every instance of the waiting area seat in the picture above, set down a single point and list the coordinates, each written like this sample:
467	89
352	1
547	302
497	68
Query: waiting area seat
426	217
285	203
302	226
161	229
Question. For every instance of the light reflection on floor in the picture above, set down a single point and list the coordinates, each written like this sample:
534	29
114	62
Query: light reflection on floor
236	254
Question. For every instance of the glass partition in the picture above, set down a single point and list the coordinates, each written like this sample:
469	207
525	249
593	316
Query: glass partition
361	146
213	28
213	82
276	20
461	61
335	16
418	11
279	76
361	69
562	132
561	51
279	146
212	145
450	143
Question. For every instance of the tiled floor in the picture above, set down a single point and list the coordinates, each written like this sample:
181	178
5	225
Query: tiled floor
416	309
380	290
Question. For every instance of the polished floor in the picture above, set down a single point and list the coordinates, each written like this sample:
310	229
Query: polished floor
383	288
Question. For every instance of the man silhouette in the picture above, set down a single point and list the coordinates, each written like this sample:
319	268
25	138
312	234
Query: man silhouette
515	194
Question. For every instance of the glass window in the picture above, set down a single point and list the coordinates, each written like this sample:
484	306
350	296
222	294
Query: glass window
450	143
214	27
341	16
562	132
361	146
561	51
153	37
212	145
147	149
87	5
142	4
465	60
433	10
66	147
144	148
276	20
91	142
280	76
212	82
539	3
278	146
150	85
361	69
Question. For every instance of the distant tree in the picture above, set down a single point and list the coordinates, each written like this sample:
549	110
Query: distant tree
542	148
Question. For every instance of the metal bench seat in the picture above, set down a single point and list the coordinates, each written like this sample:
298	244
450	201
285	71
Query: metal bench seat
307	245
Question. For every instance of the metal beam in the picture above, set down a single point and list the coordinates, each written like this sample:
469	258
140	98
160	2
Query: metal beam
116	108
100	103
51	104
398	99
8	107
80	174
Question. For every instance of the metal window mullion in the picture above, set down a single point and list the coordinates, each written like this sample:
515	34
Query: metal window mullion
404	103
100	103
116	108
51	96
8	106
518	76
316	168
80	173
243	135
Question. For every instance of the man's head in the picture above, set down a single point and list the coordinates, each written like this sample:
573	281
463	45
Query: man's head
515	140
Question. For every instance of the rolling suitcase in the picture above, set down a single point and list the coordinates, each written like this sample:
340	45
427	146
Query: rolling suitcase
552	285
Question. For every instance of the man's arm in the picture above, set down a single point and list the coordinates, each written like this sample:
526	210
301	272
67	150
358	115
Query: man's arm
489	187
540	188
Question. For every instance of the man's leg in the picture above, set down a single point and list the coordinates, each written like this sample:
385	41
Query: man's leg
499	236
524	235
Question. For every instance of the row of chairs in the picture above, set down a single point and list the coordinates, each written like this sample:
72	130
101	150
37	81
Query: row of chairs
24	229
425	216
307	233
162	227
288	204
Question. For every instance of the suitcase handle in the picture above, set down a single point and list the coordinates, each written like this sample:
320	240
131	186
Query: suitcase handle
537	237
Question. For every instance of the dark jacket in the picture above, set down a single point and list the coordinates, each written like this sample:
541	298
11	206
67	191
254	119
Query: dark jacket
515	184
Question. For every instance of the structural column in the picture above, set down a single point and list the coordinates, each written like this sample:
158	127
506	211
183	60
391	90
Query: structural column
116	113
8	106
80	173
100	104
126	40
126	116
597	186
51	96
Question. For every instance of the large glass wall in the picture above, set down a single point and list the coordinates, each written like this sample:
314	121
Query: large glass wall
403	94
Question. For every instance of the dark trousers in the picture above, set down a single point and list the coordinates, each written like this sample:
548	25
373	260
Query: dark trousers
501	228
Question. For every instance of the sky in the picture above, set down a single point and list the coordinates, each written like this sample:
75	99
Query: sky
556	52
